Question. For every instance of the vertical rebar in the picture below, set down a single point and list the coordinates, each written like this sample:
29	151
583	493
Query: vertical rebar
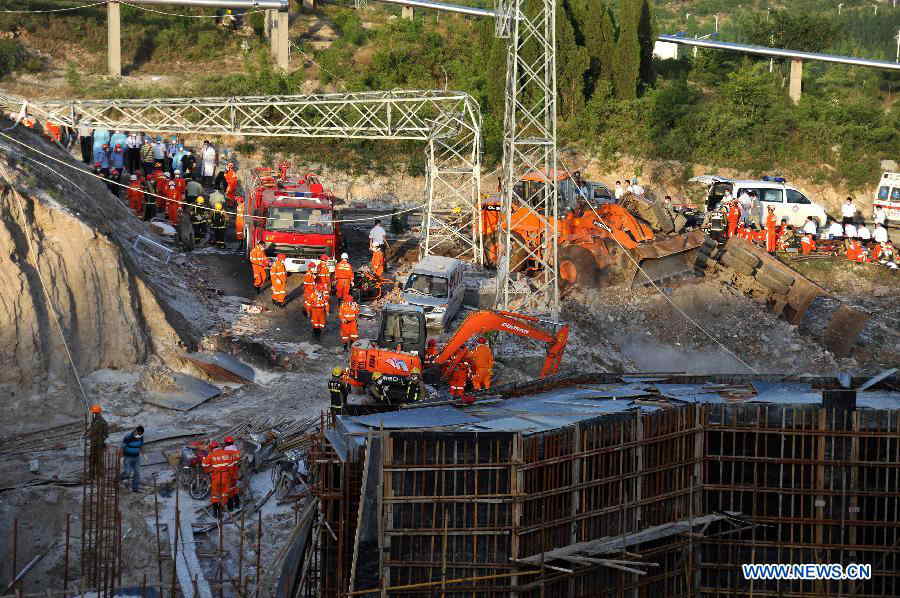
221	559
258	555
15	542
174	550
158	545
241	557
66	557
144	586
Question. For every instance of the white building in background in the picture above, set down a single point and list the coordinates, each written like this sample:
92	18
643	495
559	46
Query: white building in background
665	50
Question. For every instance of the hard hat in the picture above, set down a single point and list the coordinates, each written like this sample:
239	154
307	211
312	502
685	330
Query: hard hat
337	371
416	371
376	375
344	256
97	164
177	171
200	200
281	256
167	175
134	177
229	439
213	444
96	409
482	340
218	205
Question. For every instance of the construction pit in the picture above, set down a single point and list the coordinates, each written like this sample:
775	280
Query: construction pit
690	429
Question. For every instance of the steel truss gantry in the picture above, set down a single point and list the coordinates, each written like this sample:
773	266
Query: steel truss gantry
448	122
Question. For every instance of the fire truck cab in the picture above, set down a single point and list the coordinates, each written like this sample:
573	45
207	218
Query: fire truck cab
293	216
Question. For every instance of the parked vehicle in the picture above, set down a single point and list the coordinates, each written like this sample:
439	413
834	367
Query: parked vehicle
888	195
790	203
436	284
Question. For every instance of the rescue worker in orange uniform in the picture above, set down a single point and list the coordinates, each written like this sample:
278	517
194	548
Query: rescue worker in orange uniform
278	273
180	185
323	275
231	182
377	262
734	215
309	284
807	245
135	196
482	361
459	377
347	314
771	233
316	307
161	187
343	278
172	202
258	263
217	464
855	252
234	473
431	351
875	252
239	219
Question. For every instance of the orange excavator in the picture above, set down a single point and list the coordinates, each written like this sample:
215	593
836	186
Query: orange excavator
400	346
599	241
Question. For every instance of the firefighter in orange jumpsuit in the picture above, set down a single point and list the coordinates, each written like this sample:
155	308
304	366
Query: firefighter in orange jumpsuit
258	263
431	351
283	170
316	307
234	453
734	215
855	252
172	202
180	185
278	273
876	252
162	186
343	278
323	275
377	263
135	196
482	361
309	284
347	314
231	182
771	233
239	219
807	245
217	463
459	377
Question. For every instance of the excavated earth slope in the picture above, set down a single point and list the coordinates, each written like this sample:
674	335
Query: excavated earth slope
80	235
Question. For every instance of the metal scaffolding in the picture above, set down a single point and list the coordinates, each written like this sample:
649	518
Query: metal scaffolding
449	122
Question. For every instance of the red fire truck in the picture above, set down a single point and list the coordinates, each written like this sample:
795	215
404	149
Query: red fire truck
293	215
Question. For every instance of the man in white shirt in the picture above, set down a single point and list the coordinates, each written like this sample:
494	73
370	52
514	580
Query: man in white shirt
848	211
863	233
619	191
879	215
835	230
637	189
377	236
810	227
86	135
208	164
850	230
133	152
745	203
880	235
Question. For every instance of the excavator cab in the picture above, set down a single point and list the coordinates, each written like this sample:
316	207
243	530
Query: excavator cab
403	328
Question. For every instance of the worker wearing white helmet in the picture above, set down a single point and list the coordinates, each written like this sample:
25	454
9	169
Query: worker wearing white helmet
343	278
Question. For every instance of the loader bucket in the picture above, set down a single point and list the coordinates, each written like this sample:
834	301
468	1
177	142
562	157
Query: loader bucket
665	258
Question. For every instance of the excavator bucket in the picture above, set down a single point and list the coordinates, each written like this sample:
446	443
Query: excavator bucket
664	258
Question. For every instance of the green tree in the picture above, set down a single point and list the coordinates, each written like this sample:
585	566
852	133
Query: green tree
572	62
627	67
646	32
796	31
595	29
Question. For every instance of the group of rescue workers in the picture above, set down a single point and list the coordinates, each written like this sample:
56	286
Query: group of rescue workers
847	237
222	463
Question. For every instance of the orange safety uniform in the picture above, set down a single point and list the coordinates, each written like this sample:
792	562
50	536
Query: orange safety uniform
323	276
233	471
316	306
239	219
876	252
377	263
431	351
231	182
734	215
309	284
347	314
161	185
459	377
771	233
53	131
258	262
279	281
172	205
482	360
343	279
218	463
181	187
855	252
807	245
135	197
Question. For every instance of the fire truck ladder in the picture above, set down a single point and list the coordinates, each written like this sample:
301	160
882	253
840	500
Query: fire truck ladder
448	122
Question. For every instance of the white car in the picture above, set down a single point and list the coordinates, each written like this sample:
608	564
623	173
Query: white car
436	284
790	203
888	196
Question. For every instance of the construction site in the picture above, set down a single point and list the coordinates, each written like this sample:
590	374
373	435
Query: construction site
225	376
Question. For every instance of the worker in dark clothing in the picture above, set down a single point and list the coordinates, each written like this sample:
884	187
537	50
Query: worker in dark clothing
97	434
131	457
218	223
338	389
378	388
199	219
415	390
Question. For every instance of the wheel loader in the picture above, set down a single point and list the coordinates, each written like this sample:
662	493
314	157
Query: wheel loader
600	242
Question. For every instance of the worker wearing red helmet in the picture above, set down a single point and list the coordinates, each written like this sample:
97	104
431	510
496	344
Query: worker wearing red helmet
323	276
459	378
317	308
431	351
482	361
309	284
258	263
734	215
771	232
278	273
233	500
135	196
347	314
97	434
376	264
217	463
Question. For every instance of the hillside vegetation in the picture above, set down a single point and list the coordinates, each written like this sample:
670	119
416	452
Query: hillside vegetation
716	108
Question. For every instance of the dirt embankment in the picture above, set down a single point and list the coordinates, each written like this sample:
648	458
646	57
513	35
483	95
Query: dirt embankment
66	229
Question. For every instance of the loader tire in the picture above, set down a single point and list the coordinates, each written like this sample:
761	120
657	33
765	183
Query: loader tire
745	257
776	274
728	260
777	287
577	268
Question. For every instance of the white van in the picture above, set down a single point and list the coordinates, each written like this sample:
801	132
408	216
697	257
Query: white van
790	203
888	195
436	284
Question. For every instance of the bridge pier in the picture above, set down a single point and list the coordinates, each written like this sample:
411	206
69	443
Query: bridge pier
277	28
114	38
795	90
406	12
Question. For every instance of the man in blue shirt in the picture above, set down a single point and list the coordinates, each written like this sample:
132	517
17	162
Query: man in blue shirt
131	454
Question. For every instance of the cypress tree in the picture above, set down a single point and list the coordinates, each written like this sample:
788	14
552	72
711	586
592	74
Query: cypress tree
646	37
627	66
572	62
595	29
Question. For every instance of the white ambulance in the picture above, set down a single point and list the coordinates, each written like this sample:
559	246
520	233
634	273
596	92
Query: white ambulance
888	196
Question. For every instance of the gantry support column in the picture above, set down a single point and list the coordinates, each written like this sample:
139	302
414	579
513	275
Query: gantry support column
114	38
277	26
796	87
406	12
